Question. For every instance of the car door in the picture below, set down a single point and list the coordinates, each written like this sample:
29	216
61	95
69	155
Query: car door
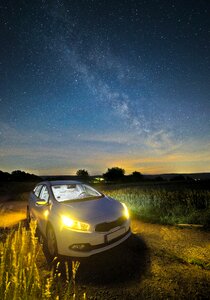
34	197
42	208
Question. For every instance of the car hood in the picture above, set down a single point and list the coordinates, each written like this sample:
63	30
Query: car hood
93	211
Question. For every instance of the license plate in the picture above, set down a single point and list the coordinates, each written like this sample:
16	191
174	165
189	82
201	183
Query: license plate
115	234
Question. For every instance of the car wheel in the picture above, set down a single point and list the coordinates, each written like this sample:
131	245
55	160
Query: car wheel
51	242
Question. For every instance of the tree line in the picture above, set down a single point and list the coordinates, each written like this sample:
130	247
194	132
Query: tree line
114	174
18	175
117	174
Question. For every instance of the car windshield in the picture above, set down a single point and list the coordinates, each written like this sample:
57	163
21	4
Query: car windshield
74	192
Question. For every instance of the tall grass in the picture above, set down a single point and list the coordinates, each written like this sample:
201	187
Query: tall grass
20	276
166	206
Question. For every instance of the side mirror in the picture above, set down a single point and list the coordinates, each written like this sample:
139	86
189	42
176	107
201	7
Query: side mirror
41	202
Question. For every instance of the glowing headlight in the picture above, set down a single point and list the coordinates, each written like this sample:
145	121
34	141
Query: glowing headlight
126	212
74	225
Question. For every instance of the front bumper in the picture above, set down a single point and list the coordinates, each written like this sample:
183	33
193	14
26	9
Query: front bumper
94	242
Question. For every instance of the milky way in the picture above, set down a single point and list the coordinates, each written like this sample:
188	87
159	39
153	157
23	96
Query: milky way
94	84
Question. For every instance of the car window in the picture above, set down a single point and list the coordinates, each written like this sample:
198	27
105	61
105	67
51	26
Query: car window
37	190
89	190
44	194
70	192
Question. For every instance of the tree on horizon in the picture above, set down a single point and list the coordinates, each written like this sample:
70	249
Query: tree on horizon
82	173
114	174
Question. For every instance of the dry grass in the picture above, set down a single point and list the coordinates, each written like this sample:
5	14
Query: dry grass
11	218
20	275
11	214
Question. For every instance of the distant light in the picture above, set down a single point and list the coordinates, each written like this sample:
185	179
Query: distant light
98	179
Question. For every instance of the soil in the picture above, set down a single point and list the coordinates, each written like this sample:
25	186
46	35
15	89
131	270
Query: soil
157	262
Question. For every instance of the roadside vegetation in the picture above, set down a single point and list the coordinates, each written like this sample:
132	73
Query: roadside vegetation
21	276
165	205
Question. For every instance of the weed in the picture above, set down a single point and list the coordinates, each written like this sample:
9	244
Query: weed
20	277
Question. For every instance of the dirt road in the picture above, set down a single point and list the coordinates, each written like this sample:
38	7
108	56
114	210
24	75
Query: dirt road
157	262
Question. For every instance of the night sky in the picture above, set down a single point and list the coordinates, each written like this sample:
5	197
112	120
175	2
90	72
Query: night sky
97	84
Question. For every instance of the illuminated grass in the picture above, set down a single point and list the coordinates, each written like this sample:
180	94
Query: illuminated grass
11	218
200	263
20	276
165	206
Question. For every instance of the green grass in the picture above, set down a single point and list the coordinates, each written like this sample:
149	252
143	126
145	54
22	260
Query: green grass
20	275
165	206
200	263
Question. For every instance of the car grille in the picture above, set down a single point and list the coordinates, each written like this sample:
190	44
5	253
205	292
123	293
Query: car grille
106	226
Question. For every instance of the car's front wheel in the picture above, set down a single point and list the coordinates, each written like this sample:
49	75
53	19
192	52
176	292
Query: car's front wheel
51	242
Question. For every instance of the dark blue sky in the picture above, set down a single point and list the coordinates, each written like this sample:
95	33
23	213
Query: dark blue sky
97	84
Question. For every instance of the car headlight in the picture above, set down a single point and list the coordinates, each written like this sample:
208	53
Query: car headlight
74	224
126	212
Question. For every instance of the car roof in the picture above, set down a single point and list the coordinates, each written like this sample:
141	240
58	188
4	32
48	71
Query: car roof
59	182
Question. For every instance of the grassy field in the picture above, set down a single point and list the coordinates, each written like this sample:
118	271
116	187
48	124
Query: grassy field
159	262
164	204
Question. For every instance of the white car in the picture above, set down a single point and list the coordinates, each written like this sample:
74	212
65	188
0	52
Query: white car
76	220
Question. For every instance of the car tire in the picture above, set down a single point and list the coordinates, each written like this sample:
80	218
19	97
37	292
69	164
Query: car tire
51	243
